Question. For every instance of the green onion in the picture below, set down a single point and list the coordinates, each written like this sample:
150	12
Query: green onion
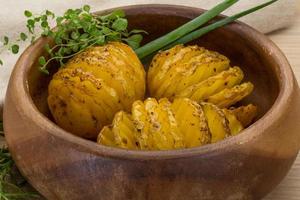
200	32
183	30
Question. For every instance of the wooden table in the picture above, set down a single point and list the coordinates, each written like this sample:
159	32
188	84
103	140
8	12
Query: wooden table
289	42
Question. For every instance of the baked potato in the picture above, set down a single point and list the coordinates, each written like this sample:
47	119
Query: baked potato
162	125
196	73
93	86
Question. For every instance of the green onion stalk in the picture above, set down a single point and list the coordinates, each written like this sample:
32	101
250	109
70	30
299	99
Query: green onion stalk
161	42
167	41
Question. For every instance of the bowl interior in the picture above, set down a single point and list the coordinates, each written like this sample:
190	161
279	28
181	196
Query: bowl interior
233	41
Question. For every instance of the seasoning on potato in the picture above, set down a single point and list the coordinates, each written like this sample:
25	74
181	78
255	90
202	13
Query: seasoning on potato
94	85
162	125
198	74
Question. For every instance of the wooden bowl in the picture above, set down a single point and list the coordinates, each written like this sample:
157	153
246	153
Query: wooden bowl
248	166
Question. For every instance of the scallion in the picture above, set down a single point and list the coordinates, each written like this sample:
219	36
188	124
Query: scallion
200	32
161	42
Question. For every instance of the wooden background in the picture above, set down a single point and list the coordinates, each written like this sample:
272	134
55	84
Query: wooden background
289	42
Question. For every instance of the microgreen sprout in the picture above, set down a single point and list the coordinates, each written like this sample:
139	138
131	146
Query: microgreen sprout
76	30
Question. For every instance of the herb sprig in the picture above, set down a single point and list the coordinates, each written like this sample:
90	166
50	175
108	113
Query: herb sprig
75	31
11	181
9	187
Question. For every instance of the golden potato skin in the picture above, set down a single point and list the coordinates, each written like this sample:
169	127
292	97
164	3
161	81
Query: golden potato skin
234	124
142	124
154	127
106	137
230	96
212	85
217	122
173	70
245	114
162	125
122	129
86	93
191	122
196	73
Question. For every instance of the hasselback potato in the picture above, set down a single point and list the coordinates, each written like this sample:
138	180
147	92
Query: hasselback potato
196	73
86	93
162	125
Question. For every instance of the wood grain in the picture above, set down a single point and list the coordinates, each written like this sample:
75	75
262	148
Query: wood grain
289	42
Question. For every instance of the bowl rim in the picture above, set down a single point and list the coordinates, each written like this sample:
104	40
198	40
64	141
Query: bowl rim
286	87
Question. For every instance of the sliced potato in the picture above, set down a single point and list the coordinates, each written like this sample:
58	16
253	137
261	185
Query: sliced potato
235	125
101	81
230	96
167	58
217	122
120	84
159	60
173	70
164	125
142	124
203	66
159	126
173	128
245	114
196	73
191	121
106	137
124	131
176	72
213	85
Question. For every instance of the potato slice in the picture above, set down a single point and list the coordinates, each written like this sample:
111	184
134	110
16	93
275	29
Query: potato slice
213	85
166	60
173	128
203	66
128	63
121	84
230	96
217	122
173	70
159	60
106	137
124	131
142	124
191	122
169	82
162	139
245	114
118	59
235	125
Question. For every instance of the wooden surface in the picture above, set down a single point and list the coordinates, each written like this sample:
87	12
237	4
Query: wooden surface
289	42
